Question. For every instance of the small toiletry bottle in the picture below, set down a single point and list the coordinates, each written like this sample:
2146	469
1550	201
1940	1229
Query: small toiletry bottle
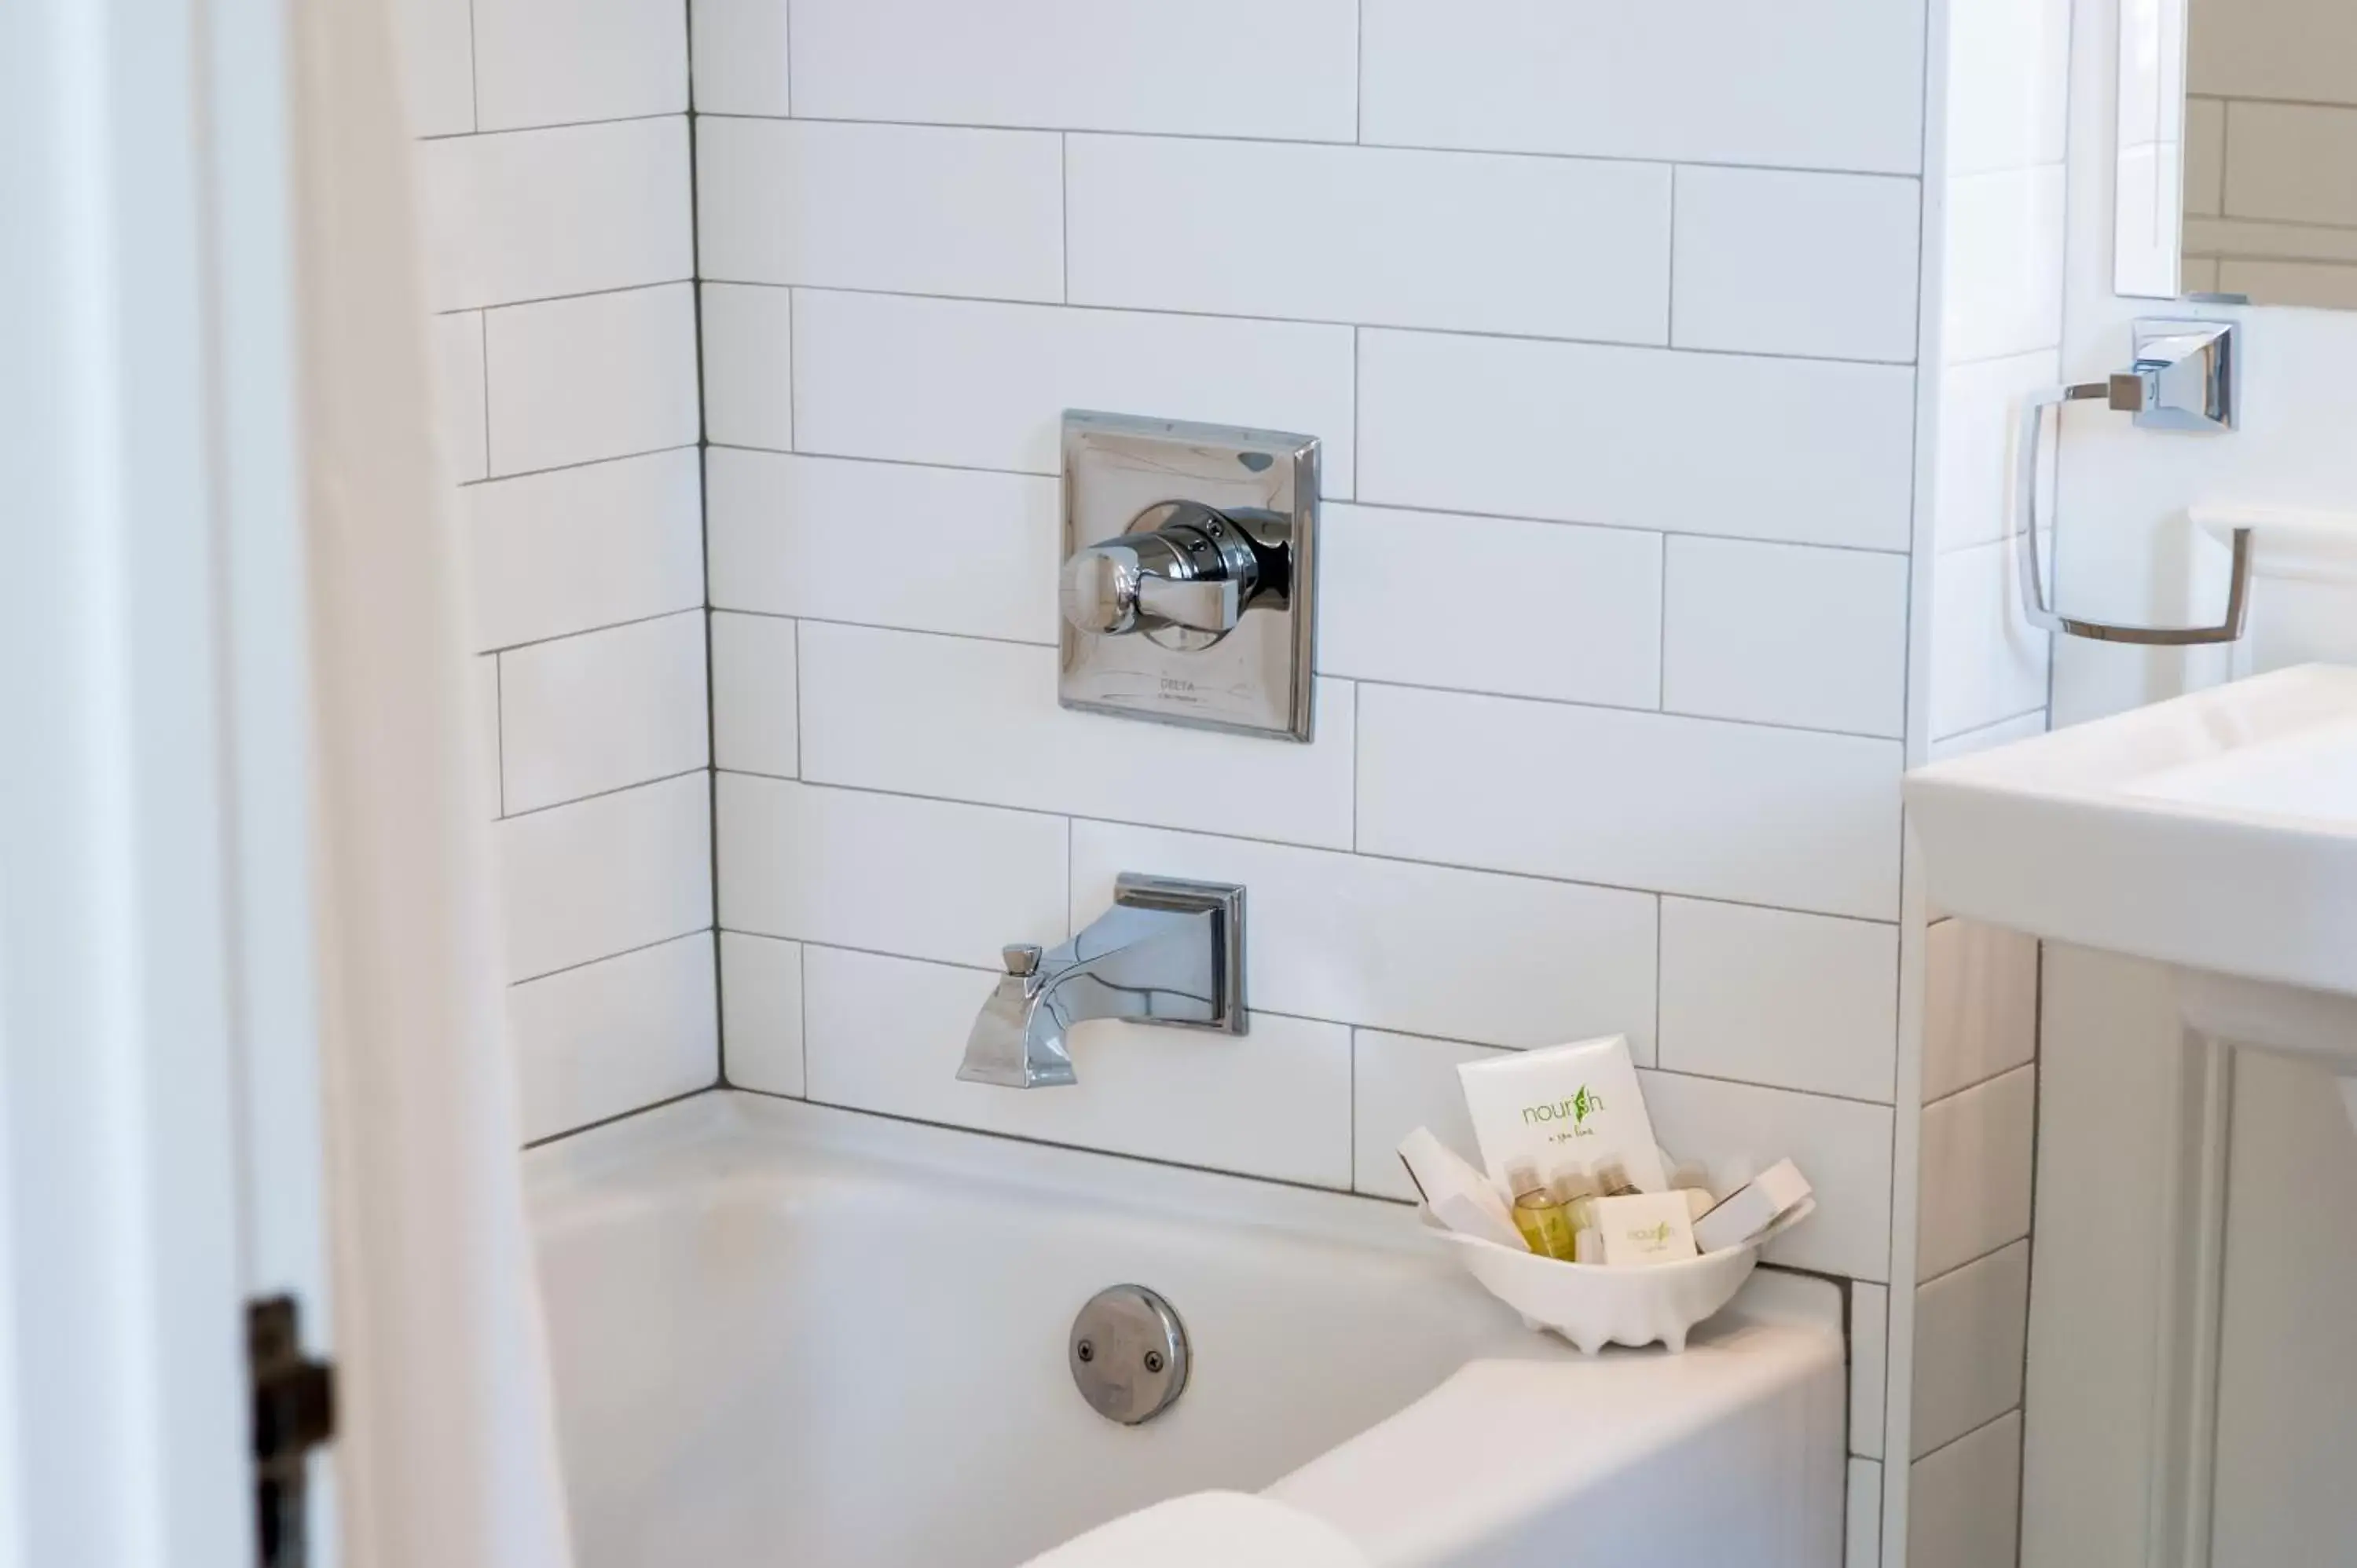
1587	1247
1613	1180
1576	1190
1537	1214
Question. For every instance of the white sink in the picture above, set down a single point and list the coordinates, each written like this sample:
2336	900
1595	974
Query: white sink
2217	833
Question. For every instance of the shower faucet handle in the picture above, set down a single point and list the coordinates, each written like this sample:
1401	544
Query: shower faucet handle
1181	565
1197	606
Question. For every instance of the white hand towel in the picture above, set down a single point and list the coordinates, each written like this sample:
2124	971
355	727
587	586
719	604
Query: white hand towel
1209	1529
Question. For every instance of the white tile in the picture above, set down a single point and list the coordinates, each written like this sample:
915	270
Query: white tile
1502	960
1561	611
1987	662
1980	1004
1862	1536
1476	241
1971	1327
2205	157
1810	452
581	716
2290	162
548	62
1736	1131
985	385
761	1012
1964	1503
574	381
485	672
2003	291
1795	1001
1696	806
755	724
1778	261
533	214
886	1034
914	208
978	721
605	875
1786	634
1211	67
794	535
1815	83
2008	84
1976	1153
457	344
748	365
1869	1357
435	39
1974	740
889	874
1980	406
1398	1083
576	549
738	53
613	1036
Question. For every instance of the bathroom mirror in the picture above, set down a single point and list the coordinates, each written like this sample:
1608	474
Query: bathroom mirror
2238	151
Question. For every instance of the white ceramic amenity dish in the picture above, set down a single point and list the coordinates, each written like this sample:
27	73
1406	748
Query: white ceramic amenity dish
1593	1306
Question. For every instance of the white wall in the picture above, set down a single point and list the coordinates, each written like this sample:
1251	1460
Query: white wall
2126	552
555	176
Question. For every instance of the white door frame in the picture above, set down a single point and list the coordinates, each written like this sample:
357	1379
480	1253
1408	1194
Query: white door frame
157	1162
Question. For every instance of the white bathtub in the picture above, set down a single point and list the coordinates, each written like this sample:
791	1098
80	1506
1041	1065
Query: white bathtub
791	1336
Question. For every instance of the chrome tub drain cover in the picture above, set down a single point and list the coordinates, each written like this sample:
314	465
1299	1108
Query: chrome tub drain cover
1128	1354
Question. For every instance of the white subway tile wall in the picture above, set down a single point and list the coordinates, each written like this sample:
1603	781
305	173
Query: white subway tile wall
1610	337
559	245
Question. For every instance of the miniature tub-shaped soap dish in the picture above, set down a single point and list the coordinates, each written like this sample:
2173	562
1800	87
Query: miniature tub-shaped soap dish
1594	1305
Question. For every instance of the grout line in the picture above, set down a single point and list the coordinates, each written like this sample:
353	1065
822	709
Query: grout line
2014	1409
1660	920
687	279
1549	154
474	79
500	732
594	630
1575	704
1064	209
491	478
581	293
483	341
1976	1260
1357	761
1098	1151
609	957
606	794
2029	1066
1670	321
1164	826
808	942
1331	501
618	1116
538	126
793	372
1422	329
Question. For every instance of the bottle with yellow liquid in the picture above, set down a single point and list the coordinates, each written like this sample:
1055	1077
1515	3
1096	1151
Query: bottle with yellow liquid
1544	1226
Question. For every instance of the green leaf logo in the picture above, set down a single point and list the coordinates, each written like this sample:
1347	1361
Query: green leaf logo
1584	1104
